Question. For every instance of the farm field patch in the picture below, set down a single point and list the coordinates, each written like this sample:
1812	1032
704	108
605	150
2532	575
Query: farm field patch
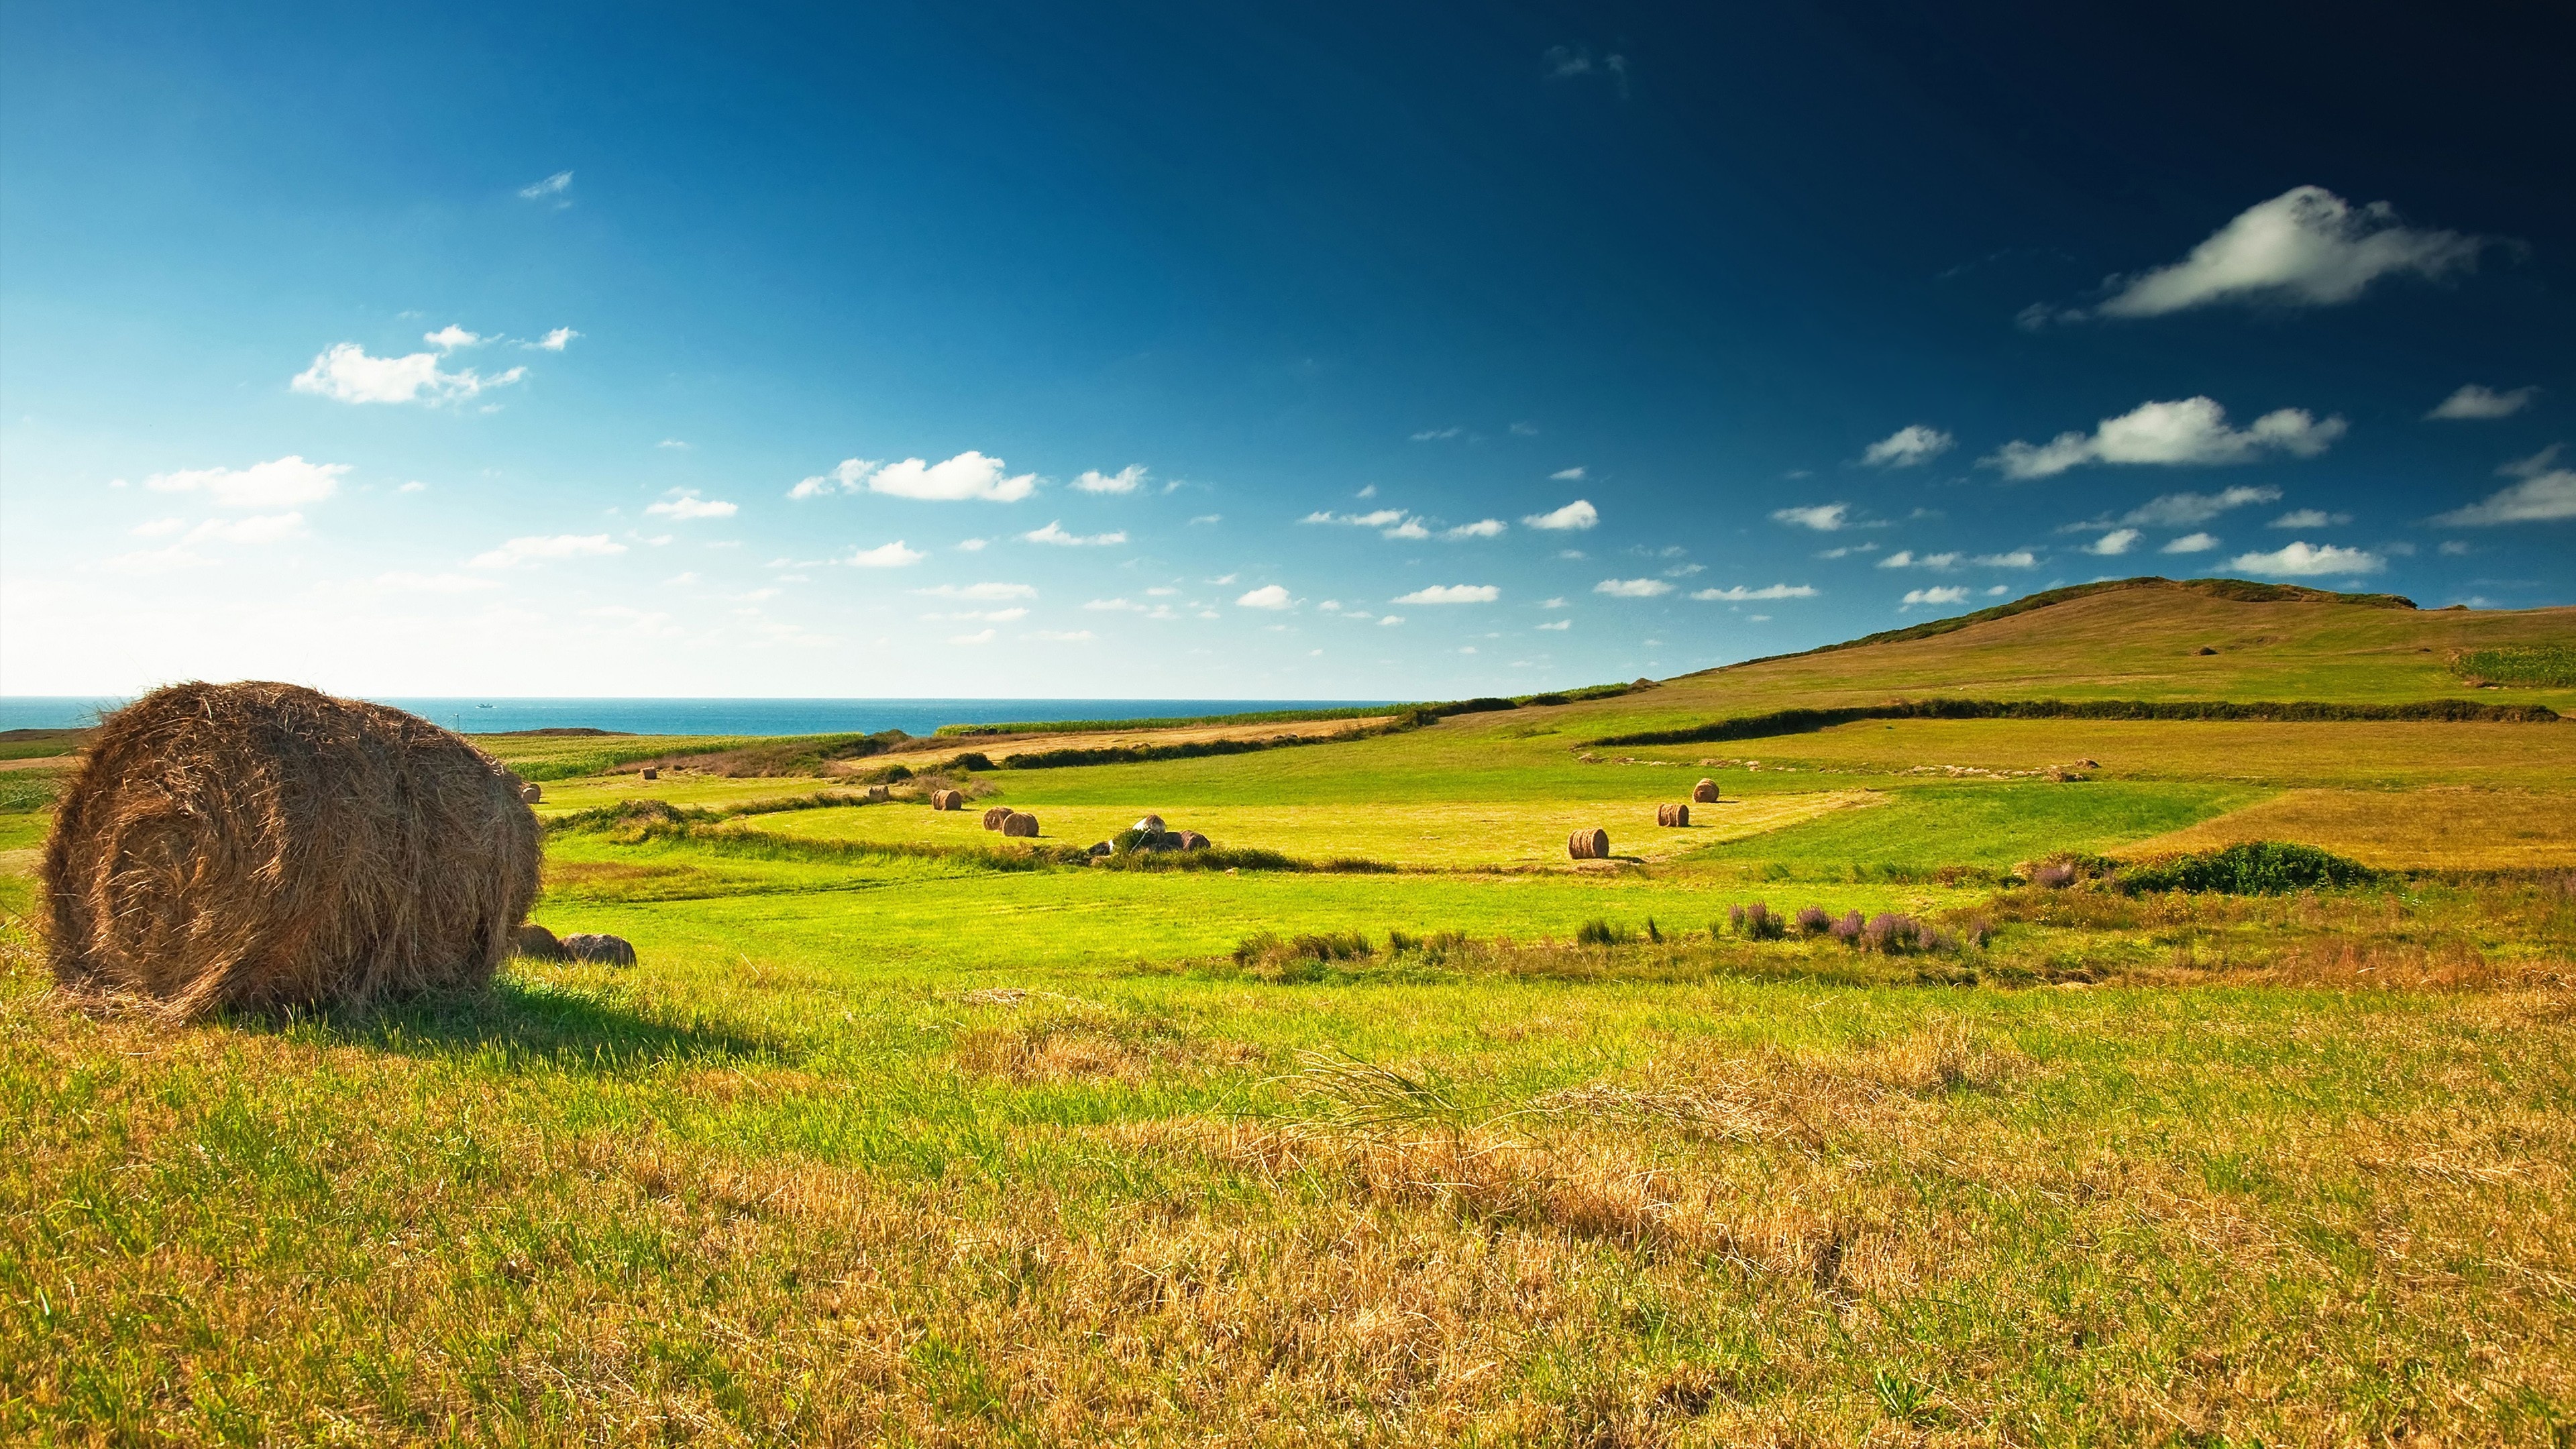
2429	829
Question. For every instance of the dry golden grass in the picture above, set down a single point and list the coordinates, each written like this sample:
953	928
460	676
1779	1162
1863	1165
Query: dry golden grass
2428	829
920	753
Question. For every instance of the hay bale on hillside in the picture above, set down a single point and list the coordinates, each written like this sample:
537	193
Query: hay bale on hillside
1672	815
1018	825
1151	825
538	943
1588	845
879	794
652	774
599	950
947	800
1192	840
994	817
1704	792
264	845
529	794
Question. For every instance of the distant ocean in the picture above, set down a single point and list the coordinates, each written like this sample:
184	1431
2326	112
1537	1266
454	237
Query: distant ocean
724	716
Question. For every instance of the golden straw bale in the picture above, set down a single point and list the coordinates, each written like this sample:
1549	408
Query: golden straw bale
1015	823
529	794
947	800
879	793
1151	825
1704	792
1588	845
1672	815
994	817
264	845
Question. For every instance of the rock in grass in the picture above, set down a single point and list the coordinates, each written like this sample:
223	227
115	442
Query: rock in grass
599	950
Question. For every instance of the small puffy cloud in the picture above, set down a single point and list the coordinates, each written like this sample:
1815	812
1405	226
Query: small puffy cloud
450	337
1390	621
1579	514
1907	447
2452	548
1567	475
414	486
1564	64
1560	624
1106	605
555	185
1435	435
1952	595
969	475
2118	541
1268	596
973	545
2546	494
980	636
280	482
1409	528
2019	558
1054	533
534	547
2191	543
685	504
2299	560
2189	430
1481	528
2476	402
555	341
2309	518
1379	518
2180	510
672	443
2304	247
1207	518
885	556
1125	480
1524	430
1739	593
1632	588
345	373
1822	517
979	591
1906	558
1452	594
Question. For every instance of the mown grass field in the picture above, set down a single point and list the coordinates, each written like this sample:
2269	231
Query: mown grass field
904	1133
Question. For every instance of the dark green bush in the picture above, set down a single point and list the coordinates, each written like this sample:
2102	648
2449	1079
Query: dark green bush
2248	868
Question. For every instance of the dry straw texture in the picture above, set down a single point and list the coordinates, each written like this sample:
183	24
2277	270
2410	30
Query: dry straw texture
994	817
1704	792
1588	845
947	800
1017	824
264	845
1672	815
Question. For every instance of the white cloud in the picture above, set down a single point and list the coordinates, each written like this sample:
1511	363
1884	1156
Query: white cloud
1380	518
2452	548
1905	558
2298	561
672	443
1268	596
1390	621
1552	603
2306	246
1125	480
1451	594
1054	533
2191	543
1579	514
1064	636
555	341
276	483
1952	595
1567	475
2189	430
885	556
2118	541
1560	624
1207	518
687	505
2180	510
997	616
545	546
2474	401
1908	446
2546	494
1632	588
450	337
2309	518
414	486
158	527
1739	593
1110	604
979	591
980	636
1409	528
969	475
1822	517
2019	558
1481	528
345	373
262	528
554	185
1434	435
1524	430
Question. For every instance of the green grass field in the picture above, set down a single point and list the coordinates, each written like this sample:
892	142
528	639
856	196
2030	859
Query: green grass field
904	1133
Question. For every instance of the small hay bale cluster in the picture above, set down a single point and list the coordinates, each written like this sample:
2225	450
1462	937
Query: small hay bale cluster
1150	834
1704	793
994	817
539	944
1588	845
1672	815
262	846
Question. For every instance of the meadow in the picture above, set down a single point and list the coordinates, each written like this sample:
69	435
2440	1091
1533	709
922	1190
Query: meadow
1412	1131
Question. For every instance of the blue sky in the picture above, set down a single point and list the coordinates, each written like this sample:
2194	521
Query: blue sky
1155	351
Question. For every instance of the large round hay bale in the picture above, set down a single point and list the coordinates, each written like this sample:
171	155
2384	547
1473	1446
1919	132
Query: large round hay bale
599	950
1672	815
264	845
947	800
1016	824
535	941
994	817
1588	845
1704	792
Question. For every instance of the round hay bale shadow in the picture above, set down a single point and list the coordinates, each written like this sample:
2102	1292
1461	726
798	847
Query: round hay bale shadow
947	800
1588	845
1704	792
994	817
260	846
1672	815
1018	825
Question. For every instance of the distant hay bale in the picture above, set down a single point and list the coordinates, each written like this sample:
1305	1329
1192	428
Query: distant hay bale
994	817
538	943
652	774
529	794
599	950
1704	792
1192	840
1588	845
947	800
1672	815
264	845
878	794
1016	824
1151	825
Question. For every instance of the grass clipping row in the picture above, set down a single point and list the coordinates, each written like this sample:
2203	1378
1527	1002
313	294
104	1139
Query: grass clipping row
261	846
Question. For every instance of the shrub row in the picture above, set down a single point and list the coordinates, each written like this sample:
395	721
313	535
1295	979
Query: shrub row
1808	721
